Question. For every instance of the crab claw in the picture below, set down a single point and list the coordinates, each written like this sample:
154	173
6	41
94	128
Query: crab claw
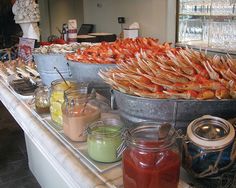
183	95
212	73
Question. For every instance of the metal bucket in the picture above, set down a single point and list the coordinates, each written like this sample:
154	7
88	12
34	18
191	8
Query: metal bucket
45	65
179	113
88	72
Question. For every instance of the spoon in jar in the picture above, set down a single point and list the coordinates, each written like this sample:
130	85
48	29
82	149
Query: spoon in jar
85	104
164	130
91	95
62	77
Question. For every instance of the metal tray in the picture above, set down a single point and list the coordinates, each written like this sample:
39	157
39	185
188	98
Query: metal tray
79	148
23	87
180	113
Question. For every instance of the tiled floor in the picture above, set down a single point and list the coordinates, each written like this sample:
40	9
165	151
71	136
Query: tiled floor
14	170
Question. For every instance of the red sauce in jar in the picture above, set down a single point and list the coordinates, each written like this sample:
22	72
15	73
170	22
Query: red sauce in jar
150	169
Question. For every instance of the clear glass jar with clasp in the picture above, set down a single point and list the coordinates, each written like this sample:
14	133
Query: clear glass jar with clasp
58	87
151	156
41	95
78	111
104	137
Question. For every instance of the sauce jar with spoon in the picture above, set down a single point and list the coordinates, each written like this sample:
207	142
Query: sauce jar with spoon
151	156
78	111
58	87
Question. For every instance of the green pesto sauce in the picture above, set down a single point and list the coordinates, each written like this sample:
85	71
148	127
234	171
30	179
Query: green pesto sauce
103	143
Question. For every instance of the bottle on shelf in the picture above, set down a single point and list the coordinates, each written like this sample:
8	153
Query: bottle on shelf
65	32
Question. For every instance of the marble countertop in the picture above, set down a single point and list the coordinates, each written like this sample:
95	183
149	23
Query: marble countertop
74	168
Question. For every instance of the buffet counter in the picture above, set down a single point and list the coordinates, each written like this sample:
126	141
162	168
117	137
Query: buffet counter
52	160
57	166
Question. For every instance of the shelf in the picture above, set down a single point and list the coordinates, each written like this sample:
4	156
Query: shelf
199	45
207	15
212	22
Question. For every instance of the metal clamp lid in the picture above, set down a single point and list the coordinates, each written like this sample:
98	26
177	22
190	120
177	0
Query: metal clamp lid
163	134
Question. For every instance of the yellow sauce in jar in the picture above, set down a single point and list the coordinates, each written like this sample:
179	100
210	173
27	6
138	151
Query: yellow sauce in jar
57	98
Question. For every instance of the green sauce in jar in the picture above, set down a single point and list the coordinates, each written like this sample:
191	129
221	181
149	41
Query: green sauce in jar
103	142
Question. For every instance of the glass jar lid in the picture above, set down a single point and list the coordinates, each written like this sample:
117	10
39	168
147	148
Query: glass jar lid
210	132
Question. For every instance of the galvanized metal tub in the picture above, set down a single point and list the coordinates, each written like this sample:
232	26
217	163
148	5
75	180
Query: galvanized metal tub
180	113
84	72
45	65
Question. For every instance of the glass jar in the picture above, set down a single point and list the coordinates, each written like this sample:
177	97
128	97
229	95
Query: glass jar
41	95
104	137
58	87
78	112
151	157
209	147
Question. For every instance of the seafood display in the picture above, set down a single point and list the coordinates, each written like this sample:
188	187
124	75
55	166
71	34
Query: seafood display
175	73
118	51
61	48
18	69
22	77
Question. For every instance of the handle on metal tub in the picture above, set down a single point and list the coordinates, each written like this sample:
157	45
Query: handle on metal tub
70	74
113	101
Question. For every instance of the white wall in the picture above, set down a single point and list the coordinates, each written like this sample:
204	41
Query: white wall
44	23
56	12
63	10
156	17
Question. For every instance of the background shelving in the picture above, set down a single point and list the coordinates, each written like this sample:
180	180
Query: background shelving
207	24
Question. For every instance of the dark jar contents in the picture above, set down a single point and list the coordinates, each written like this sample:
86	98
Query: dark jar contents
150	162
42	110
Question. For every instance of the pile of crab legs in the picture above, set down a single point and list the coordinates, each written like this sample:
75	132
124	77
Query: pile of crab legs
18	68
176	74
112	53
